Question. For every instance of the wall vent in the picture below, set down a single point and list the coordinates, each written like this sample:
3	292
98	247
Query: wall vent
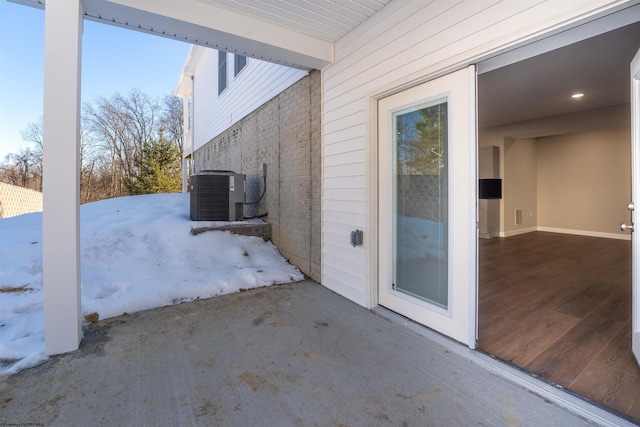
518	216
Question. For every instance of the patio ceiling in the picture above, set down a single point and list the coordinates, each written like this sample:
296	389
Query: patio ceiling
325	19
296	33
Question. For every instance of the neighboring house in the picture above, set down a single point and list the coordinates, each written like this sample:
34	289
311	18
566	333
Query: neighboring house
16	200
242	112
386	67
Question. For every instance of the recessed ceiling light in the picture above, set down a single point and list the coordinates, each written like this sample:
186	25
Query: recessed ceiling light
577	95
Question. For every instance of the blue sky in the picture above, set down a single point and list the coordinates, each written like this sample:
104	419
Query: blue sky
113	60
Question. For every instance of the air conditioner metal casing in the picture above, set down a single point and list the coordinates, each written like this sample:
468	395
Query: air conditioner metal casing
217	195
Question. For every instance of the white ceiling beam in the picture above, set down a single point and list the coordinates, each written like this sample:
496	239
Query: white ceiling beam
198	22
202	23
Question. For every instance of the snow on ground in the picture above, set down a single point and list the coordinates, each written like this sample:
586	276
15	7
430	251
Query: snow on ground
137	253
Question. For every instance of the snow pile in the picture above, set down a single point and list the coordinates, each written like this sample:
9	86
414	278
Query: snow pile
137	253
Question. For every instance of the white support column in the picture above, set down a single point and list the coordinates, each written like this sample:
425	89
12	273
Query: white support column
61	183
185	144
192	131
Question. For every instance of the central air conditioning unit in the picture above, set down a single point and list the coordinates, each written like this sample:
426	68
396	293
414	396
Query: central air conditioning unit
217	196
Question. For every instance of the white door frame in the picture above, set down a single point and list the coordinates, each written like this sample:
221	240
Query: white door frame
514	52
459	319
635	193
557	38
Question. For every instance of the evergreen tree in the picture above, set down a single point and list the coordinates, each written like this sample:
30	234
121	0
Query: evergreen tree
422	138
157	168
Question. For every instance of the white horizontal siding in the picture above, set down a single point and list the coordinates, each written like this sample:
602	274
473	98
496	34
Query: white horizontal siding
343	206
205	93
256	84
347	133
431	43
342	182
404	43
339	282
346	194
342	267
345	170
351	157
345	146
340	253
346	110
344	121
337	229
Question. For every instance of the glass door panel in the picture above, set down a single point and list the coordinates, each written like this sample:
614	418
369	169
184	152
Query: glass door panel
420	203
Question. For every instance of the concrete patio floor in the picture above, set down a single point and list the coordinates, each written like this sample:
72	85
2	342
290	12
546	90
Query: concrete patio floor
287	355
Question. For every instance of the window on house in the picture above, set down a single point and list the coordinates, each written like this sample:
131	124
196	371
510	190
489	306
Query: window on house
240	62
222	71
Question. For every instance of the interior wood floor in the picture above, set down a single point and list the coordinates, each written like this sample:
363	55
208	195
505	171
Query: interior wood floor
559	306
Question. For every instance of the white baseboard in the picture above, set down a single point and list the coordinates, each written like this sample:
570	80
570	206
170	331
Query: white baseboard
586	233
567	231
517	232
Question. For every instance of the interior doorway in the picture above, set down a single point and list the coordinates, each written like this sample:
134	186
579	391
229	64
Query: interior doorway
554	282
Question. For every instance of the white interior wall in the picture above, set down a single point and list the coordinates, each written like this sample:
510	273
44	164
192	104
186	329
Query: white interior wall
558	168
584	182
402	45
520	186
585	121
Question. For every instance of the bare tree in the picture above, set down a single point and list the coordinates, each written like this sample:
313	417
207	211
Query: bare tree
21	169
34	133
172	120
116	134
124	126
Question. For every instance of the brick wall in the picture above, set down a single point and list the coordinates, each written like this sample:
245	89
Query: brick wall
17	200
284	133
